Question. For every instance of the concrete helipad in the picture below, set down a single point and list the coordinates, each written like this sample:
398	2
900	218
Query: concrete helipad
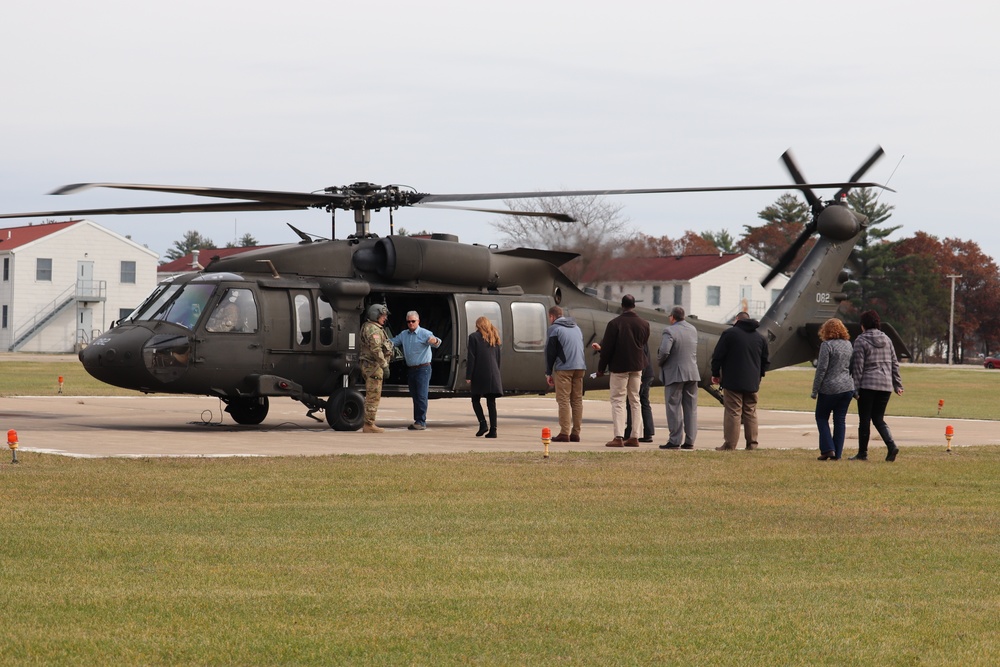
145	426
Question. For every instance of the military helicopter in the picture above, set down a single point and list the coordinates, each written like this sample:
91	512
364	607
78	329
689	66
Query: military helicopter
284	320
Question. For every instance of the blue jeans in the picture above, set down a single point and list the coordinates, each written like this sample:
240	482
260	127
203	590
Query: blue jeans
837	404
419	380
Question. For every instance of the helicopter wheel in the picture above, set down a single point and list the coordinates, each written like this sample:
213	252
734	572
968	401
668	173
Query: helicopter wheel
248	411
345	411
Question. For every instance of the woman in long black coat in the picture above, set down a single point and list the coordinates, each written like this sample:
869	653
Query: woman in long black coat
483	374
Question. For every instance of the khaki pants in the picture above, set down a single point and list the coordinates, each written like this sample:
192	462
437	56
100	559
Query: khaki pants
740	408
569	399
625	386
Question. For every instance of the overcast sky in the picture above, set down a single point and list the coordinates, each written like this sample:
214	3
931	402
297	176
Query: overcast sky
452	97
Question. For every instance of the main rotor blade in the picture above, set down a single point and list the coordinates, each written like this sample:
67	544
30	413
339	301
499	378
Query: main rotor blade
423	197
182	208
861	171
558	217
793	169
299	199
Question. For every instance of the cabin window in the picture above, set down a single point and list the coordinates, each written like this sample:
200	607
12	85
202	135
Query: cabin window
6	269
476	309
236	312
607	292
303	320
529	324
325	312
128	273
3	323
713	295
656	295
43	269
678	295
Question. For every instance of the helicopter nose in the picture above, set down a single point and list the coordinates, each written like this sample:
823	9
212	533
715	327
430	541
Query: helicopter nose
118	358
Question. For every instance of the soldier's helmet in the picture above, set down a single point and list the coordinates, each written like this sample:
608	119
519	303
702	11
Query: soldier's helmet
376	310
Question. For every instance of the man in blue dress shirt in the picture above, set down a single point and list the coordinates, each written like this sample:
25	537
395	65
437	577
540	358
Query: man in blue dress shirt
417	343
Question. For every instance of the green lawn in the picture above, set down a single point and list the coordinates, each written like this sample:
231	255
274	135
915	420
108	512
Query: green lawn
499	559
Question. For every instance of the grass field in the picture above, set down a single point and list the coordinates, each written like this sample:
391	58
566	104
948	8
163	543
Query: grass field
498	559
502	558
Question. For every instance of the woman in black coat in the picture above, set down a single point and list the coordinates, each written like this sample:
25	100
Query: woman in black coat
483	373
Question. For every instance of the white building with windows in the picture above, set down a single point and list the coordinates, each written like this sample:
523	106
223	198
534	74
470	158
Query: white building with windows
710	287
64	283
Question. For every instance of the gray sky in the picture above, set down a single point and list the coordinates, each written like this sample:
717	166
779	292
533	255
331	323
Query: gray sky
453	97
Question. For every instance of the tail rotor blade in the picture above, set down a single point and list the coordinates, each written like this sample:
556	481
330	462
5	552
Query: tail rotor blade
793	170
788	256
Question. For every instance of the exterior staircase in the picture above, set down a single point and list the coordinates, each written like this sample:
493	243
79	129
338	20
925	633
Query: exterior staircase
81	291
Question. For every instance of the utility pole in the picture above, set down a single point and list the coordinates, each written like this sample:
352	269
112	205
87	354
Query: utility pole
951	321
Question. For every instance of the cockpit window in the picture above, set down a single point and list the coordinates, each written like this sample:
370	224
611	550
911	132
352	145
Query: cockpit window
153	302
180	304
236	312
186	308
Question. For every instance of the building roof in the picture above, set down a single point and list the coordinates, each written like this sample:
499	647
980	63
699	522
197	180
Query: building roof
15	237
205	255
656	269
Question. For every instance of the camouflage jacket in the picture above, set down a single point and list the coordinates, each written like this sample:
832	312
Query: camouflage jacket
375	346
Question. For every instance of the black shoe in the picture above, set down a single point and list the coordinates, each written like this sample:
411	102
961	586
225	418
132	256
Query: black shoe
483	428
670	445
492	433
891	456
825	457
687	445
647	439
859	457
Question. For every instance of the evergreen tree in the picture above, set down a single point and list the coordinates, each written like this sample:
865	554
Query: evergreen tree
873	257
722	240
245	241
192	241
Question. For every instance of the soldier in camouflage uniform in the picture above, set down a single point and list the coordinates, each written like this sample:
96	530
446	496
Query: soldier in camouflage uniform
376	353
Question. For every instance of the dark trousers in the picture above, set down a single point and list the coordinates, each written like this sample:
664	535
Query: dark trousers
647	411
491	407
871	410
832	444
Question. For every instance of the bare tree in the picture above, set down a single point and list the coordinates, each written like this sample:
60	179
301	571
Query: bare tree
600	227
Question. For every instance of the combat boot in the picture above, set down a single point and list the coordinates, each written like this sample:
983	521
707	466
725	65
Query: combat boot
372	428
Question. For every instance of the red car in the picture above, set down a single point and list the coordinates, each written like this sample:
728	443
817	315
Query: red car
991	362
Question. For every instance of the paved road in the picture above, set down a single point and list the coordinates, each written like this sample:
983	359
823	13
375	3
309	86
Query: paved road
145	426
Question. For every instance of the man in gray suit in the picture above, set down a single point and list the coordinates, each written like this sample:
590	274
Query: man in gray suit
678	359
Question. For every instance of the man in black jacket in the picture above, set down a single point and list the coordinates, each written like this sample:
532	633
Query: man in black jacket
623	352
738	364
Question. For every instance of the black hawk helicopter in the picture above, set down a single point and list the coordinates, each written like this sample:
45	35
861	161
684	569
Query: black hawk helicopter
284	320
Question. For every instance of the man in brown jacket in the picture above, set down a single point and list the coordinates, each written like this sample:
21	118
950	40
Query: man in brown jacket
623	352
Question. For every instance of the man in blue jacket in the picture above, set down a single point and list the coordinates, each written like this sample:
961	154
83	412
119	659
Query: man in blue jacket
417	343
564	370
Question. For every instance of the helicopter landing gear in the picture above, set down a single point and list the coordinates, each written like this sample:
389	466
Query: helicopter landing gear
345	411
248	411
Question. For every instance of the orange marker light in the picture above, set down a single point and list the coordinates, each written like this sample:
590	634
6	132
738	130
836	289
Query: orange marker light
949	433
60	384
546	439
940	405
12	443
